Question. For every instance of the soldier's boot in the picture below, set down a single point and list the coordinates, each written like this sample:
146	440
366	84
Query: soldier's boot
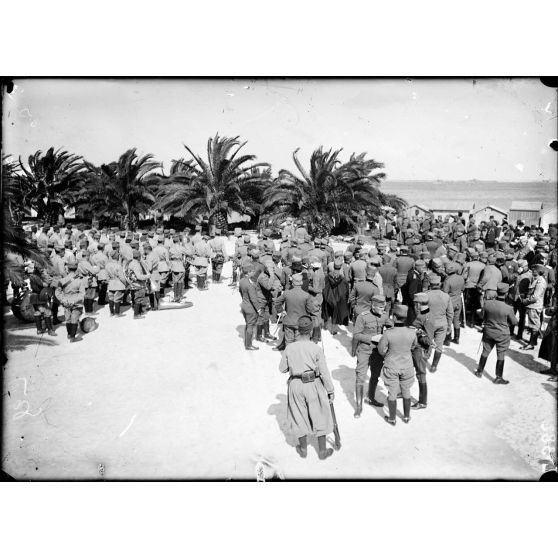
176	292
117	310
323	452
39	324
73	332
371	399
302	447
68	330
50	327
436	360
233	279
248	334
199	282
217	277
520	329
406	409
422	400
102	294
204	282
317	334
392	407
156	299
137	311
532	341
55	319
152	301
267	334
456	335
259	334
480	367
447	340
500	373
111	307
359	394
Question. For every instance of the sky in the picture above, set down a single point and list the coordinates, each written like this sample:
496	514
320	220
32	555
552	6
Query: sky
448	129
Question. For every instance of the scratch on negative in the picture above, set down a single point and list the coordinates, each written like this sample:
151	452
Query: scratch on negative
128	427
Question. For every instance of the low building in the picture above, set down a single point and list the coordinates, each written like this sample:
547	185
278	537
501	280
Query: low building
417	211
549	216
484	213
527	211
444	209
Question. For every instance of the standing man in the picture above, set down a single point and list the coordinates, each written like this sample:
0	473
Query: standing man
138	277
534	304
497	317
296	305
396	346
441	313
70	293
453	285
249	305
309	390
116	284
177	253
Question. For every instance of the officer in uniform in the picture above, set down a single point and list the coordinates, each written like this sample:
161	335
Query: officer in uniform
138	277
41	294
249	305
396	346
89	272
163	265
116	284
296	305
441	313
425	333
309	390
71	292
369	324
491	276
471	273
363	291
99	260
453	285
534	303
177	253
497	317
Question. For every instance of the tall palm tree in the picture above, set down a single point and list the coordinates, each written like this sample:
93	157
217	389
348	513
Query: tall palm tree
122	189
213	189
329	193
51	181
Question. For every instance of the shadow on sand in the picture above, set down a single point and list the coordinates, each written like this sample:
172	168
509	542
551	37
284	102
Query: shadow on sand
469	363
21	342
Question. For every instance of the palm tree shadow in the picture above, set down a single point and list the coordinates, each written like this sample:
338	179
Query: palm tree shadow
469	363
346	377
21	342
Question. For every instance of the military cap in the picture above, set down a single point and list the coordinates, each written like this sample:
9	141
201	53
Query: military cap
58	247
435	279
246	239
375	261
420	264
540	268
50	243
198	227
297	279
502	289
438	262
267	232
492	258
115	245
453	248
522	263
338	253
296	259
400	311
483	254
276	253
404	248
237	231
425	253
172	231
393	243
421	298
460	257
305	324
451	268
150	234
134	243
71	263
217	231
136	254
314	260
379	299
255	252
100	245
147	247
247	267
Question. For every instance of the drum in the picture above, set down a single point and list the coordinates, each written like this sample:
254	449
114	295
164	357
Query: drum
22	308
88	324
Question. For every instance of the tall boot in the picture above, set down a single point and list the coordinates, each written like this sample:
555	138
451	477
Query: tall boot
359	394
69	330
152	301
532	341
323	452
371	399
137	311
447	339
248	334
39	324
520	329
436	360
49	326
456	335
204	282
156	300
73	331
102	294
117	309
302	447
217	276
55	320
199	282
422	400
111	307
268	335
406	409
259	334
500	373
480	368
233	278
180	291
392	406
317	334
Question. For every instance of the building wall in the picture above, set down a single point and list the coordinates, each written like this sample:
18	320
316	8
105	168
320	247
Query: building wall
530	218
421	213
485	213
441	214
549	218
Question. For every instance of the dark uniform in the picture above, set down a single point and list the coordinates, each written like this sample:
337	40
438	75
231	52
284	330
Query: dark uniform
421	353
453	285
441	312
249	306
296	305
497	318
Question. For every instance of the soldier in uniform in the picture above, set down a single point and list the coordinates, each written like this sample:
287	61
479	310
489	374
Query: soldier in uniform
296	305
425	334
249	305
534	303
138	277
369	324
89	273
453	285
520	290
116	284
41	298
71	292
309	390
396	346
497	317
163	264
361	295
390	284
177	254
441	313
99	260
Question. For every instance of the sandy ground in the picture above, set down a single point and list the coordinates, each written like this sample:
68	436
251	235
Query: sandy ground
176	396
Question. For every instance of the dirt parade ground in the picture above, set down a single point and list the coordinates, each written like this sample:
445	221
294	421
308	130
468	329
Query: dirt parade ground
176	396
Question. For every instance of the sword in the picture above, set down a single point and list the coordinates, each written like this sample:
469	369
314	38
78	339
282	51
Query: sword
337	444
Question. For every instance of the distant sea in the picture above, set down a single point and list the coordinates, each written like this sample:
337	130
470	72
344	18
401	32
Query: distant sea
500	194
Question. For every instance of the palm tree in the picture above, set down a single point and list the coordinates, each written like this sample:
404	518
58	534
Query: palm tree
51	181
329	194
122	189
213	189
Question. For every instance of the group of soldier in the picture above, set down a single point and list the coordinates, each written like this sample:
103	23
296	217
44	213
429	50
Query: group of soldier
82	267
407	292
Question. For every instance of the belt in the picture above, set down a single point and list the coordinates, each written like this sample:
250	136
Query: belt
308	377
